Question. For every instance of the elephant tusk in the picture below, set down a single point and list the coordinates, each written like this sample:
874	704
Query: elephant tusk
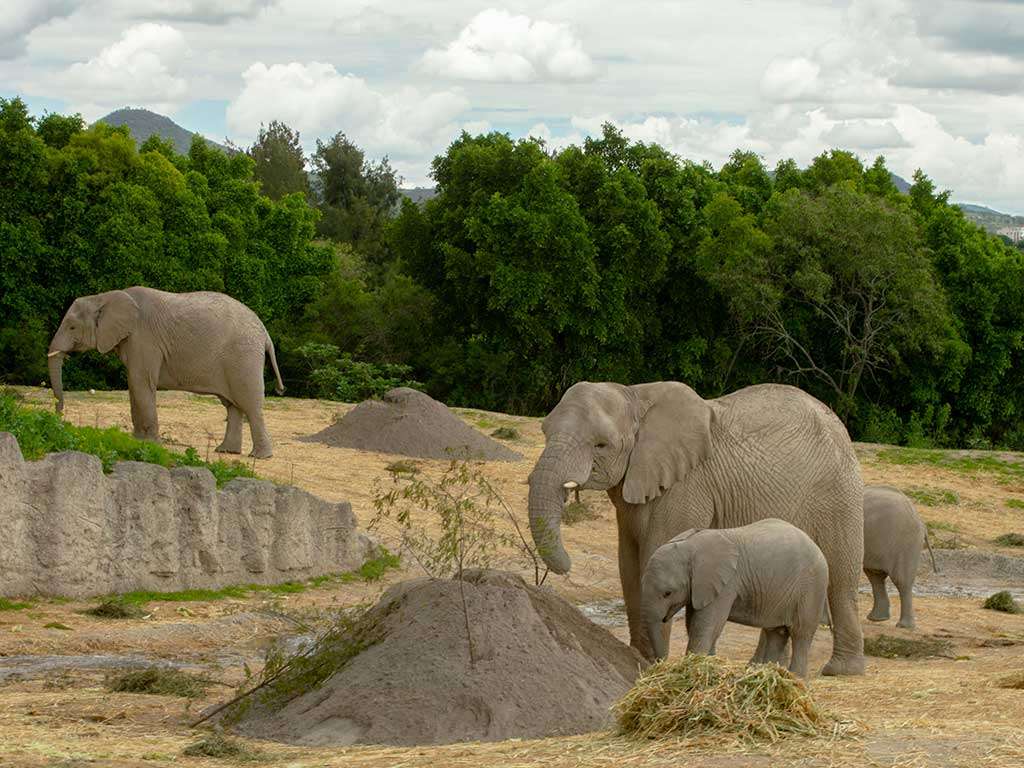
570	485
55	352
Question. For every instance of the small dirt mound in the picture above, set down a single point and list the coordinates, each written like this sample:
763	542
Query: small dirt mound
698	695
541	669
410	423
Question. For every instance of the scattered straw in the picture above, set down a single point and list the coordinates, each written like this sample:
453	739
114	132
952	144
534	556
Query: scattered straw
218	745
699	695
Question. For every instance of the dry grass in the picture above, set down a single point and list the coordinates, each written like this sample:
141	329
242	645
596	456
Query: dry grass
158	681
890	647
699	695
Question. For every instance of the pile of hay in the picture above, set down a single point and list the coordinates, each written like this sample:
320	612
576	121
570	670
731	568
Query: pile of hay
410	423
706	695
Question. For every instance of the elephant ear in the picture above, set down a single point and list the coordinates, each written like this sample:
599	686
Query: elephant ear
115	319
673	437
683	536
713	565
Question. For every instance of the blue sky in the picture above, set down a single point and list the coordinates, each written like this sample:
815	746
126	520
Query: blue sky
932	84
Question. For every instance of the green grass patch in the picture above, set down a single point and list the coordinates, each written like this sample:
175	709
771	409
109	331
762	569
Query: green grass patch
220	746
10	605
57	625
933	497
1010	540
1002	602
1006	471
141	597
40	432
158	681
1015	503
506	433
889	647
941	525
115	609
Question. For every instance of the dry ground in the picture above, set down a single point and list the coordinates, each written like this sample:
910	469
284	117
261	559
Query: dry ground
945	711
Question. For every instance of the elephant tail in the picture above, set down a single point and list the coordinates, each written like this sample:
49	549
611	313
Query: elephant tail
273	364
931	554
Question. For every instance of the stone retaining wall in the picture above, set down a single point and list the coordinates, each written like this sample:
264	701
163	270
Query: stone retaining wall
68	529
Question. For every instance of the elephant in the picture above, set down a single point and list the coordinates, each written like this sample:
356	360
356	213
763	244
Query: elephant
893	534
671	461
202	342
768	574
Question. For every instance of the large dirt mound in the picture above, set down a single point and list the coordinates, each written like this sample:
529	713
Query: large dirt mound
410	423
541	669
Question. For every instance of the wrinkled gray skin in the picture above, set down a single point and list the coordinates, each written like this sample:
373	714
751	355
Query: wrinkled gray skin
671	461
202	342
767	574
893	535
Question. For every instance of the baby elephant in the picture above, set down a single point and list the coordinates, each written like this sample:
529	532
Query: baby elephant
893	534
768	574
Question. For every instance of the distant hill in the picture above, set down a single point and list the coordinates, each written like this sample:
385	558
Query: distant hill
988	219
900	183
142	123
419	194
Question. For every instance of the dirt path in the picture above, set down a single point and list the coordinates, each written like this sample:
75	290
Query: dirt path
936	712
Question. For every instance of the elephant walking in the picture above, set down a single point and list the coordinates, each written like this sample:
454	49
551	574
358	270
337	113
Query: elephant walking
671	461
202	342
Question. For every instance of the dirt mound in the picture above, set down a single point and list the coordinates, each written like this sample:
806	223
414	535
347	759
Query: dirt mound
541	669
410	423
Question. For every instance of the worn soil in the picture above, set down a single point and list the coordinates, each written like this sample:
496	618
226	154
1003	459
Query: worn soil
410	423
538	667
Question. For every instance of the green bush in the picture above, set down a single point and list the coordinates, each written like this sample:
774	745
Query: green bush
335	375
40	432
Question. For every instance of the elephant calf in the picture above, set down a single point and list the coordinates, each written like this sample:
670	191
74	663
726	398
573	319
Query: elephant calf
893	533
768	574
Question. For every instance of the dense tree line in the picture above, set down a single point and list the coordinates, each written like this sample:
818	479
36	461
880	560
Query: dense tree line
532	269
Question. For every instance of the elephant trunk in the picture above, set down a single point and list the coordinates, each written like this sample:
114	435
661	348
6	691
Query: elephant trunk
564	460
656	633
55	360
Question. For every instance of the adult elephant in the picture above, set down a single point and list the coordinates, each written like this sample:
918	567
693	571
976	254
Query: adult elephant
671	461
201	342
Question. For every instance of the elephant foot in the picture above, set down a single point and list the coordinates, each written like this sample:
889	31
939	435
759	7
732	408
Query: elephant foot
262	453
850	665
906	623
878	616
148	437
222	448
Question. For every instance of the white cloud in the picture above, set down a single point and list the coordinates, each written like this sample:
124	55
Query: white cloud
140	69
865	134
318	101
19	18
789	79
208	11
499	46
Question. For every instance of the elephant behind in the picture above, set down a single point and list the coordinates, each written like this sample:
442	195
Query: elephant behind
893	535
671	461
202	342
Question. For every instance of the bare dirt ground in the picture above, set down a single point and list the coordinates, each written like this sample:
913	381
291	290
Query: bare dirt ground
948	711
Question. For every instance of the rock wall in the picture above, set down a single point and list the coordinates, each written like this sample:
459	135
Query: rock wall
68	529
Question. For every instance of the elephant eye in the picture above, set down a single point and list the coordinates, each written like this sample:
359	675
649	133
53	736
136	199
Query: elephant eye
601	445
667	594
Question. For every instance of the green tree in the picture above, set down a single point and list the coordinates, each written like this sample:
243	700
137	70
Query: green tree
279	164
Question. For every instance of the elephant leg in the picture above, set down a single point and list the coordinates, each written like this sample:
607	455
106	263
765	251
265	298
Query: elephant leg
262	448
778	641
880	609
905	584
629	575
706	627
801	650
761	652
844	551
142	398
232	442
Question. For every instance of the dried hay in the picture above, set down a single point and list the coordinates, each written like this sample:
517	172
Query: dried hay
219	746
1014	681
696	695
159	681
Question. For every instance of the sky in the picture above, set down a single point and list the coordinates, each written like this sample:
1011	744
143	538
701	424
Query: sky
930	84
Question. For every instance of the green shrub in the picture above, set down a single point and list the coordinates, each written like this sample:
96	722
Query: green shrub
115	609
40	432
1002	602
506	433
219	746
335	375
